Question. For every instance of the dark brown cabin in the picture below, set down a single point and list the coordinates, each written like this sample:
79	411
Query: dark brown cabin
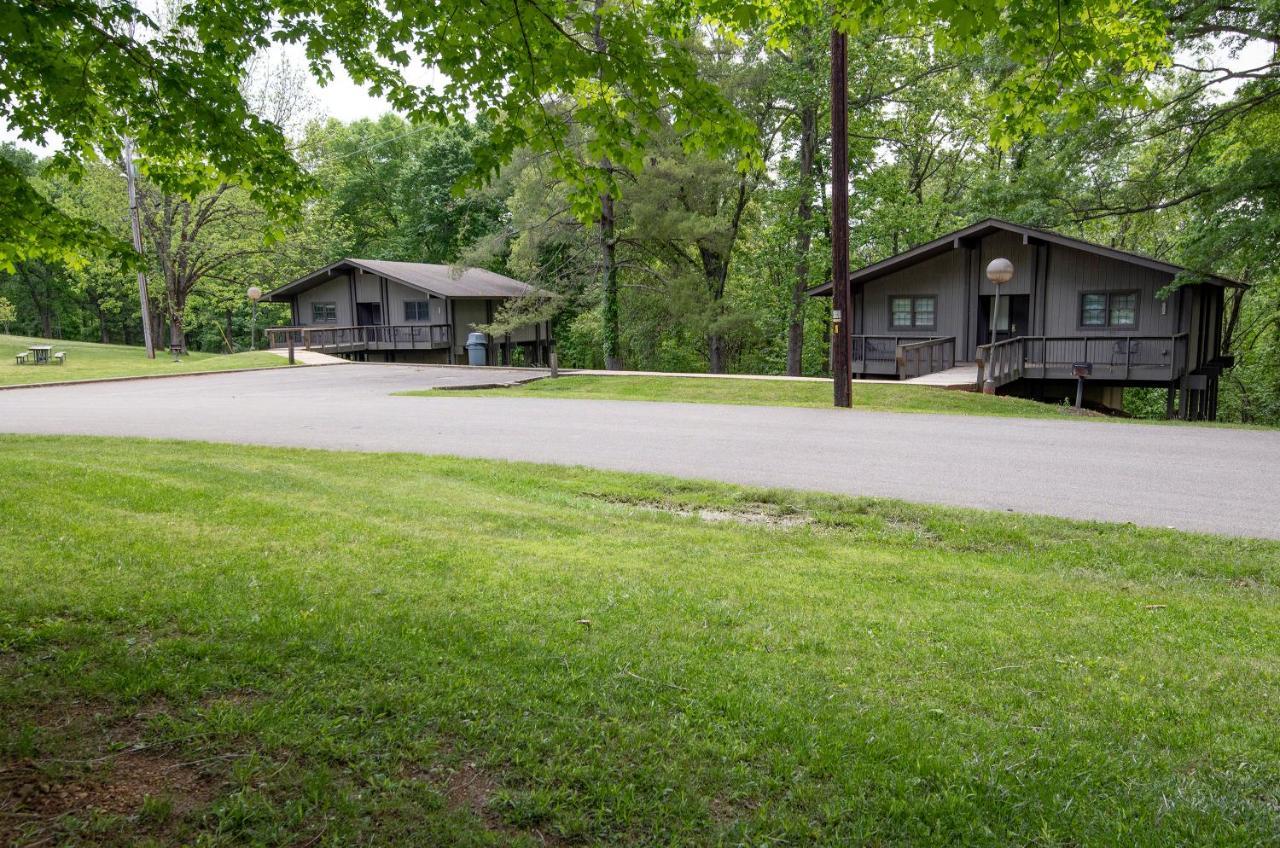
1070	302
371	309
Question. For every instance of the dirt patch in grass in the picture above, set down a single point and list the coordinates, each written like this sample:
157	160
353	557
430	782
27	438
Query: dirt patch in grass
154	791
239	697
468	787
758	514
90	762
471	788
119	785
464	787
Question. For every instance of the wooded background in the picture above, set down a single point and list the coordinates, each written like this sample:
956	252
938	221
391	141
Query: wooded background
697	257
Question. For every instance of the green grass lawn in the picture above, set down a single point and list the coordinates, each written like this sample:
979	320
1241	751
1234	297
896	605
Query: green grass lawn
87	361
872	396
223	645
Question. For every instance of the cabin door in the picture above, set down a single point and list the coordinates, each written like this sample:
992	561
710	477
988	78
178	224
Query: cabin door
1014	319
368	314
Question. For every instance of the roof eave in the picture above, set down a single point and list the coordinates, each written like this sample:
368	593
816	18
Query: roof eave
956	239
315	278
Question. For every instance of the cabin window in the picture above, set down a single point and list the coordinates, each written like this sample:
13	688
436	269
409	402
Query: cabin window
918	313
417	310
1109	309
324	313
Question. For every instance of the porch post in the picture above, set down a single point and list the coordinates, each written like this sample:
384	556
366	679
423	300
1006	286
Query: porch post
451	330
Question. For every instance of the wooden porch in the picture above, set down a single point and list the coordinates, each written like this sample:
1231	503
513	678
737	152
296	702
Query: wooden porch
903	357
1131	359
338	340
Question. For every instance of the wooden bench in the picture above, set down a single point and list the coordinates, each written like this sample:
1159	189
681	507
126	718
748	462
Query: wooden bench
60	357
21	358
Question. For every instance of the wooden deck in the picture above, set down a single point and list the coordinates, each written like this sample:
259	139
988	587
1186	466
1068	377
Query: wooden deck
903	357
1135	359
335	340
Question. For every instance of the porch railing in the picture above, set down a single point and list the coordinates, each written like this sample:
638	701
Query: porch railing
1121	358
1003	362
917	358
881	354
368	337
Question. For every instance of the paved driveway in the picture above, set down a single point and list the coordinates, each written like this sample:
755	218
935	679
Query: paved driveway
1194	478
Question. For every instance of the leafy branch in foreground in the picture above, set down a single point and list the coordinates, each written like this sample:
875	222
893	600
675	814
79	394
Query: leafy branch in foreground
92	71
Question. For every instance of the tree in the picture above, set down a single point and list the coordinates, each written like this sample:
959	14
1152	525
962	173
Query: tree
8	314
395	187
93	72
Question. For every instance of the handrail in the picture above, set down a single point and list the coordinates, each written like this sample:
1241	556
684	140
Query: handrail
1001	363
360	337
1114	357
910	354
883	348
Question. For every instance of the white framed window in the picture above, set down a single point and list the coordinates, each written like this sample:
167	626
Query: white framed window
913	313
1109	309
417	310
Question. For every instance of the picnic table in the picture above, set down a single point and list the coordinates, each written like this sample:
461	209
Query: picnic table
40	355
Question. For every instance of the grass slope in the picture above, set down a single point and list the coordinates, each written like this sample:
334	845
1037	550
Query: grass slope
228	645
86	361
873	396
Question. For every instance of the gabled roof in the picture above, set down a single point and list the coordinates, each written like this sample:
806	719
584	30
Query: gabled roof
439	280
992	225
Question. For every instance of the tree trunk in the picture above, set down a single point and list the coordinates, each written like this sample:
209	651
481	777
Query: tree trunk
609	275
176	340
157	325
177	310
715	266
608	242
144	301
804	239
716	363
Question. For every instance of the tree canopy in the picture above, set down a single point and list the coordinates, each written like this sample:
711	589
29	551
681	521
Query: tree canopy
91	72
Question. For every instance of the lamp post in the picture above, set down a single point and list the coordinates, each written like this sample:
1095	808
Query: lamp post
999	272
255	294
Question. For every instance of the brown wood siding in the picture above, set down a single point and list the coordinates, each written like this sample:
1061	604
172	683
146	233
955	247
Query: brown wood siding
942	277
1009	246
335	291
368	288
1073	272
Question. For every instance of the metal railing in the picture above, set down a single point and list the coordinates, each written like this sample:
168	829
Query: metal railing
915	359
1147	358
368	337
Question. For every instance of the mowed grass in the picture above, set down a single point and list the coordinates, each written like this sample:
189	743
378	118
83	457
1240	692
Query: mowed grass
225	645
872	396
88	361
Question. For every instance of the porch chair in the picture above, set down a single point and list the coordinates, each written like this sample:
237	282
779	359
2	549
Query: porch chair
1118	353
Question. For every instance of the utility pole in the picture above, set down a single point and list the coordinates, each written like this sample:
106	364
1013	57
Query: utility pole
841	311
131	178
